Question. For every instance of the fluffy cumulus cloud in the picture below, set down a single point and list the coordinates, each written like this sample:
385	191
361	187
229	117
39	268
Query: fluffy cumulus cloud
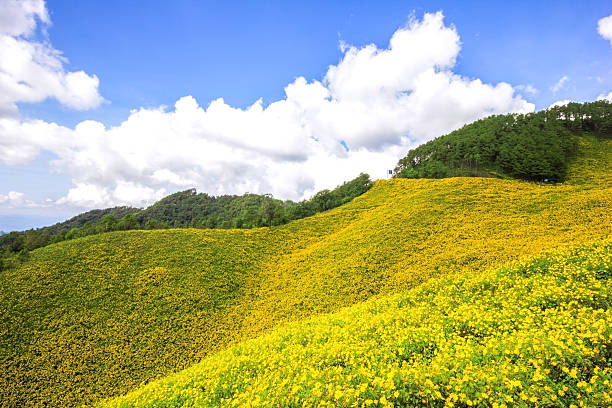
363	115
18	17
559	103
12	198
16	199
604	28
31	70
607	97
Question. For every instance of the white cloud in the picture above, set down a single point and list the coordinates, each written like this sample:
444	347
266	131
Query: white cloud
12	198
16	199
530	89
21	141
604	28
559	103
18	17
378	101
607	97
124	193
560	83
32	71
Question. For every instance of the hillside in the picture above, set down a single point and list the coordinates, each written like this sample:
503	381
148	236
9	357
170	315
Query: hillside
183	209
538	146
91	217
538	333
95	317
189	209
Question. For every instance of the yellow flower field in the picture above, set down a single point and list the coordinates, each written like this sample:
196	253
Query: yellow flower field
538	333
96	317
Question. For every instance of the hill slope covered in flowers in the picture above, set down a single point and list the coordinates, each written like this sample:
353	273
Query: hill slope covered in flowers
95	317
538	333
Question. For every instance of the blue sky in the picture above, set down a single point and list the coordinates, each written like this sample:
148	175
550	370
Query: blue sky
147	57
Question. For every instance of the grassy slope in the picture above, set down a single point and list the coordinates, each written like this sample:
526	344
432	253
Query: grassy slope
593	166
538	333
95	317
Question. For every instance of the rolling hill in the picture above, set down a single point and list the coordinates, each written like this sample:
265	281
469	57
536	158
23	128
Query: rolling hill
537	146
96	317
538	333
180	210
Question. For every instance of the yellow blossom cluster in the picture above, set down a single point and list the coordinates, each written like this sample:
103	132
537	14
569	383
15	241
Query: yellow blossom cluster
593	163
95	317
538	333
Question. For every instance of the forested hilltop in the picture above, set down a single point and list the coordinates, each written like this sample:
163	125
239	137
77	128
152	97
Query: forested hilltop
181	210
189	209
535	147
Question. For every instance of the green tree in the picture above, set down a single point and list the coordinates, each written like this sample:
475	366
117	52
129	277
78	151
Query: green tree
128	222
107	223
271	211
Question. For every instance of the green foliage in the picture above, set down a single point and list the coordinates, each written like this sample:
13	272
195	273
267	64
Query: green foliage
189	209
93	217
185	209
128	222
326	200
535	147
